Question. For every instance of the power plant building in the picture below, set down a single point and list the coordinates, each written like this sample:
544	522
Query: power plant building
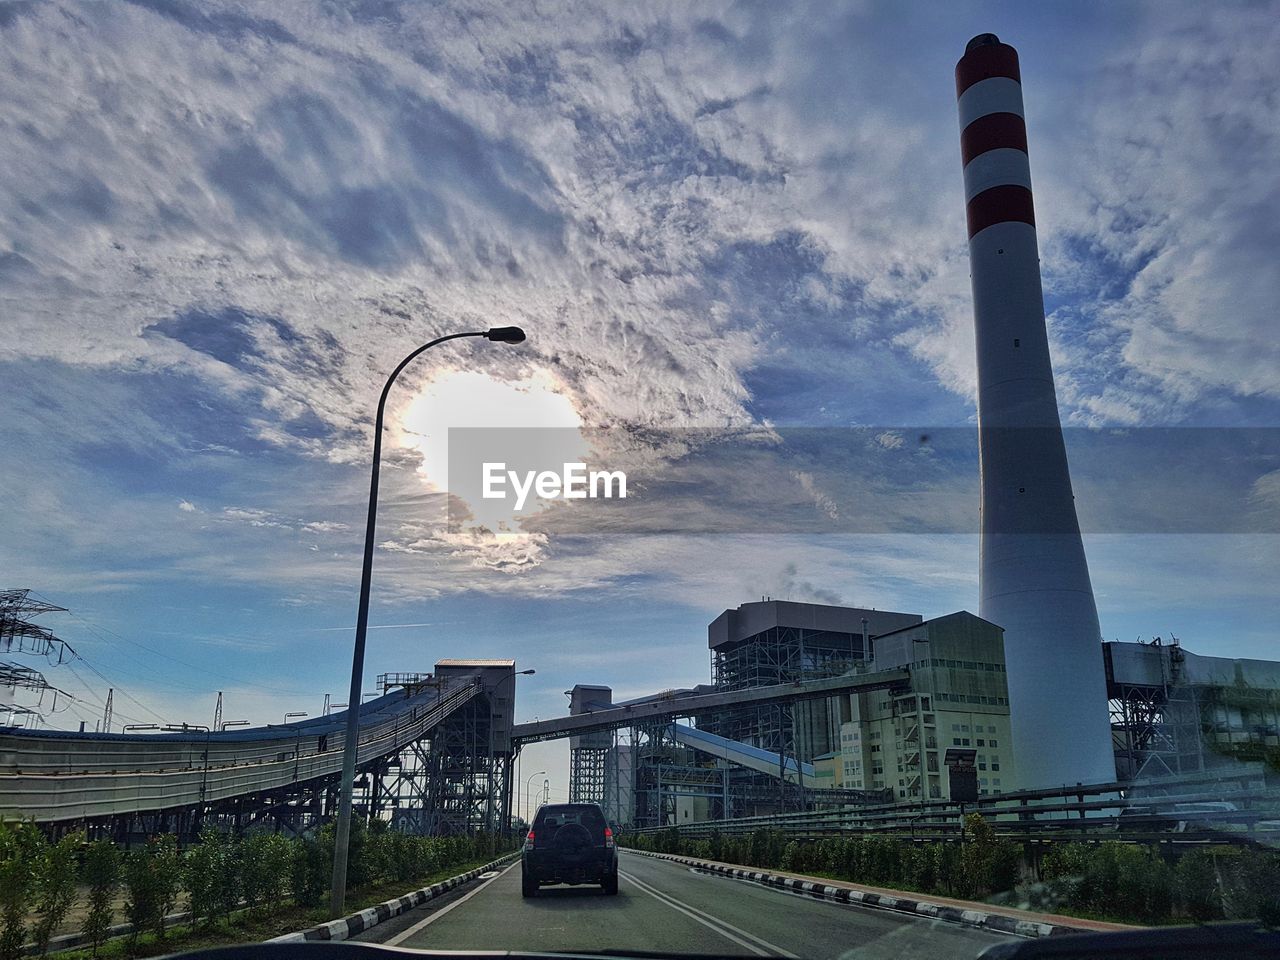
876	747
958	698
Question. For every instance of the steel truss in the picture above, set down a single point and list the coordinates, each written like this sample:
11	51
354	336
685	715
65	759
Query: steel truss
799	731
447	784
587	767
1157	730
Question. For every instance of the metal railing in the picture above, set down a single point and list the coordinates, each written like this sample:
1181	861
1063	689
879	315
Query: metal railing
1082	812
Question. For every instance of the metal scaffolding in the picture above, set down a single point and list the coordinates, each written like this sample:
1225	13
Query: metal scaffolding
587	768
801	731
448	784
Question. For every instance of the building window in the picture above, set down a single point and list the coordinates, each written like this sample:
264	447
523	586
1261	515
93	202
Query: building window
995	766
981	742
982	766
955	741
964	742
995	743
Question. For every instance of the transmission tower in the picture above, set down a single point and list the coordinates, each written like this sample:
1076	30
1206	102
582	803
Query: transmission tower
19	635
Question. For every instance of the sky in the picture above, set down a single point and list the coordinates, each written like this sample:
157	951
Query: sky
222	225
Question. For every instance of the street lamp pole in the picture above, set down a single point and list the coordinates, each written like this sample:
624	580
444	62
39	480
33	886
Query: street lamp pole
527	784
342	836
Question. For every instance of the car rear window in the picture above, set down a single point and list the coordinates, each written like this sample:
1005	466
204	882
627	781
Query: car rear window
550	819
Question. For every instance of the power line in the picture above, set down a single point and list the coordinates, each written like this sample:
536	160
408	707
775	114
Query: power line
111	684
104	630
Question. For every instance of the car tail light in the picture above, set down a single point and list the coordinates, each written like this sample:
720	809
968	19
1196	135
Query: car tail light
528	841
608	837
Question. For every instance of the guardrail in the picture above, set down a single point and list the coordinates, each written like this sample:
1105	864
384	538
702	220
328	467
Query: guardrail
1042	814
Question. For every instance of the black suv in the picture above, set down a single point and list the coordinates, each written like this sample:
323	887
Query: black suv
569	843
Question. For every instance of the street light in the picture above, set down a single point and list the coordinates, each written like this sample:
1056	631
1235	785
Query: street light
296	713
343	834
527	784
141	726
234	723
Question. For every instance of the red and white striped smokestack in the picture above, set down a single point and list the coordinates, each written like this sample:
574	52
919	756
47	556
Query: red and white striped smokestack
1033	578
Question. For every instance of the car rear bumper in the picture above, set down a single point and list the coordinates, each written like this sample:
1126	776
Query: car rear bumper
546	868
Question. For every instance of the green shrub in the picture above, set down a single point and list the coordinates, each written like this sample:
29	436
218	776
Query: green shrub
56	886
1251	880
203	875
1195	881
21	851
151	876
102	876
265	861
312	870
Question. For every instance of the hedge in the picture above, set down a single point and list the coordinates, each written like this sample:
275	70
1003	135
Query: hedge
219	874
1108	880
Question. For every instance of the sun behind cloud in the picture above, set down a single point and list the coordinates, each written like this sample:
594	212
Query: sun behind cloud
532	413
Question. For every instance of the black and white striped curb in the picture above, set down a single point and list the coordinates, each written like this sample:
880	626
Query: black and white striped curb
349	926
997	922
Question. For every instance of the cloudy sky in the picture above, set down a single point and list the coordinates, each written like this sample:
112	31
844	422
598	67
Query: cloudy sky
221	225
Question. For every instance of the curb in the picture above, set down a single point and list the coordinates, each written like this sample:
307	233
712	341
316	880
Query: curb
354	923
996	922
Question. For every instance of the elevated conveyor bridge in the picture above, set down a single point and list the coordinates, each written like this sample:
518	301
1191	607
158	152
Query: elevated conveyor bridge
695	702
175	780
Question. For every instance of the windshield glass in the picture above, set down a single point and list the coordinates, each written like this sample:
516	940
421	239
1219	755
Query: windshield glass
719	478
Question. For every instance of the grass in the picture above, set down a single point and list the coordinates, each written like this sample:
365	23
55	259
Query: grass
254	925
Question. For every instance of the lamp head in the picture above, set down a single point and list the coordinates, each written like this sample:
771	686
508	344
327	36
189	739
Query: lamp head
505	335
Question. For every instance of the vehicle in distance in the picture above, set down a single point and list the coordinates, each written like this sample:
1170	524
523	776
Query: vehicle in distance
569	843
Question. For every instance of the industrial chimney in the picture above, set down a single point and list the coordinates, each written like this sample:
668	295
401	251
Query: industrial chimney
1033	580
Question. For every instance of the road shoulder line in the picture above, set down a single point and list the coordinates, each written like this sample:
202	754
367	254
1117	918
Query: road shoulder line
354	923
405	934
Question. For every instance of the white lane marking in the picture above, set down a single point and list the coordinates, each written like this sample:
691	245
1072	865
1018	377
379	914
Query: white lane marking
770	949
404	935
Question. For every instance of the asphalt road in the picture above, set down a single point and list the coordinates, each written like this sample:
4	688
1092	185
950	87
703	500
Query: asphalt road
666	907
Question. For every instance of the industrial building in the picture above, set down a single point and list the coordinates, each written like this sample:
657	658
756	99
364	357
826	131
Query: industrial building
875	746
1174	714
958	698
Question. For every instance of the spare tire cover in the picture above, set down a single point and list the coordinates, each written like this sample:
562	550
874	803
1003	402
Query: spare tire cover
573	841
